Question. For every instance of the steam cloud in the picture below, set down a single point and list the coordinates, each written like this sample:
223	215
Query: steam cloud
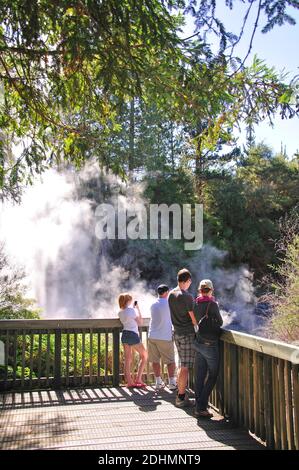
69	271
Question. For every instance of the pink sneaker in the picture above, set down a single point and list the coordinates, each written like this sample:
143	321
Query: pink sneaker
140	385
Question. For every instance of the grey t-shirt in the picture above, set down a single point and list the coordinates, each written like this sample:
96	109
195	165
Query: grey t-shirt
180	303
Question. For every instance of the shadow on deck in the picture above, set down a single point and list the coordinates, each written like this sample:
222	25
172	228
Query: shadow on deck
110	419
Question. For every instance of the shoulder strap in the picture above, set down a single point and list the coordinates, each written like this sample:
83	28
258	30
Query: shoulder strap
206	314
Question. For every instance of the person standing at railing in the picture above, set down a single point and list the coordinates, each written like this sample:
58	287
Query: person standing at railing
160	342
206	345
131	319
181	305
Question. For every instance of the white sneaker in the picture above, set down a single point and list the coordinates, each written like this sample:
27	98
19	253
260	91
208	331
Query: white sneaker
160	385
172	386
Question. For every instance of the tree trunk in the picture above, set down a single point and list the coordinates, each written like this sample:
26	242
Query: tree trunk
172	146
199	172
132	136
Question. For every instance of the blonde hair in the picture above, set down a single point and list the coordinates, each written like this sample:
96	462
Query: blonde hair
123	299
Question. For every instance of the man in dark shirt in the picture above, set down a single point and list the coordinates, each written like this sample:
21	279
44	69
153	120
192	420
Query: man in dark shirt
183	320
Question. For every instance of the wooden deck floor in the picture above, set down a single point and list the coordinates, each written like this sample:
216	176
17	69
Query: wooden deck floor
111	418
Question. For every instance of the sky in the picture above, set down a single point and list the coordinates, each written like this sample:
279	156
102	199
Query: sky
278	48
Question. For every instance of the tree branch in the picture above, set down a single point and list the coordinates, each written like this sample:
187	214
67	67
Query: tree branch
251	39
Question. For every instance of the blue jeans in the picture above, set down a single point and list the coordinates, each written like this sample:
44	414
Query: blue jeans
206	368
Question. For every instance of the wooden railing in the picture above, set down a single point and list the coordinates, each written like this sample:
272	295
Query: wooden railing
56	353
257	387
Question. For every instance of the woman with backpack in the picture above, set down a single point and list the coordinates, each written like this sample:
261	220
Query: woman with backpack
206	345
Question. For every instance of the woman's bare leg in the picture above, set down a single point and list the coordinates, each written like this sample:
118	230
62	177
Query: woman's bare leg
143	358
128	363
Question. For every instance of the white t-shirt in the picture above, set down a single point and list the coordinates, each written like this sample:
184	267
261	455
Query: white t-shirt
128	318
160	324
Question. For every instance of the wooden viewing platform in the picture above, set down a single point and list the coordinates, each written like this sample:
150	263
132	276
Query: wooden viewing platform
111	418
60	383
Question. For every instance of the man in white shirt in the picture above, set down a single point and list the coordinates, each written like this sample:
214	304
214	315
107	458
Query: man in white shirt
160	342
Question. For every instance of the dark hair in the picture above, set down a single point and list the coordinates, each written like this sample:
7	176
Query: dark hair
183	275
205	290
162	289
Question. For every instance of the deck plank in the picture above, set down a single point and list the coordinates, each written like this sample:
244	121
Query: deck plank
111	418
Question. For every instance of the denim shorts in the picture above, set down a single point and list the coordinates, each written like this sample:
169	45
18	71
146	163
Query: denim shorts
130	337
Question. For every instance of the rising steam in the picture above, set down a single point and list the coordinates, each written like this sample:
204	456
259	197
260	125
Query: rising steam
71	273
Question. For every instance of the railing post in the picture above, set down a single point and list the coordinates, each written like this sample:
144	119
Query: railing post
116	357
220	381
6	359
234	384
268	398
296	403
57	360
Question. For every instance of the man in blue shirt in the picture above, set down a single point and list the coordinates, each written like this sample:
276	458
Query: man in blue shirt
160	342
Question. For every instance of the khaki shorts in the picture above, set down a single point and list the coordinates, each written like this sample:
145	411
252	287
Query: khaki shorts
159	348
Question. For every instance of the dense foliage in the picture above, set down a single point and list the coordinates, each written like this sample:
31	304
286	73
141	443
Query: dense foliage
118	82
284	296
13	301
69	70
243	202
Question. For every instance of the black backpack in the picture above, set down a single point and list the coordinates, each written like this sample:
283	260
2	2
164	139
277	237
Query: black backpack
208	323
